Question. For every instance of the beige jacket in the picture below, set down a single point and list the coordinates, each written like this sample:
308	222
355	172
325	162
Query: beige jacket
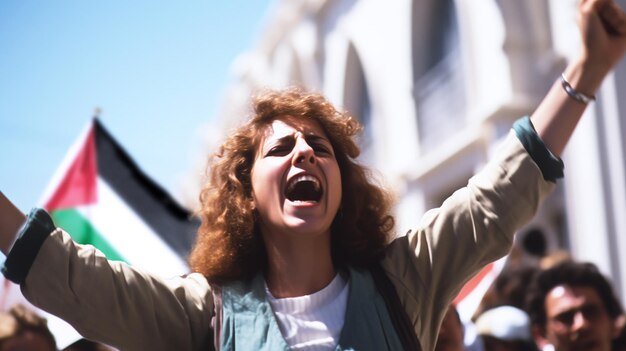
132	310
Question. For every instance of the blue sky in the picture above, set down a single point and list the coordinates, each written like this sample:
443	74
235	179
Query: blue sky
157	69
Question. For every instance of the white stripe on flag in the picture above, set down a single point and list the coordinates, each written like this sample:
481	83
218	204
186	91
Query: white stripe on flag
130	235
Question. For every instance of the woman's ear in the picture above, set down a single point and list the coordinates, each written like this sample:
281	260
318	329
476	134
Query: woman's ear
252	202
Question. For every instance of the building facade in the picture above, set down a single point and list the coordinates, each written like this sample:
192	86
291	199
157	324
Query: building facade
437	84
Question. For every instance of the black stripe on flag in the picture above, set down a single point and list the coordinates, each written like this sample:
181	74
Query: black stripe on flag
173	223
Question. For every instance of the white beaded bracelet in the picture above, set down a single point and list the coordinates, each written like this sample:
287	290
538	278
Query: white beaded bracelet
575	94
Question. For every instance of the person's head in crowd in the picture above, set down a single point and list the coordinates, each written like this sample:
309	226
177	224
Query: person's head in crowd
23	329
573	307
87	345
451	332
505	328
508	289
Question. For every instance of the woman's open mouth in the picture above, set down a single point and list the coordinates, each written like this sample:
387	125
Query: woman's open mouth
304	188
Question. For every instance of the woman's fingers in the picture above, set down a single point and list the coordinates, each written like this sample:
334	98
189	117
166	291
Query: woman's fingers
602	26
613	18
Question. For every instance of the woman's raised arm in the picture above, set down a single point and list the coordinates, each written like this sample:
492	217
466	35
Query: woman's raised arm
602	25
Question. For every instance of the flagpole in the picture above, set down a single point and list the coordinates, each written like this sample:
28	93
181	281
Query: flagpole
96	112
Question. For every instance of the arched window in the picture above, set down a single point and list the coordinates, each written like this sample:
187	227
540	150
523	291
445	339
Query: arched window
437	73
356	100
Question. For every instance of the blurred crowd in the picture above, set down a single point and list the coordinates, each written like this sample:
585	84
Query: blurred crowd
553	304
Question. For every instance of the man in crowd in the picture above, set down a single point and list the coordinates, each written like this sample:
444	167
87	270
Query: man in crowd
573	307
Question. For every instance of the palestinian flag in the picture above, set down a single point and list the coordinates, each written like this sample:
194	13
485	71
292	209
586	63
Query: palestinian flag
101	197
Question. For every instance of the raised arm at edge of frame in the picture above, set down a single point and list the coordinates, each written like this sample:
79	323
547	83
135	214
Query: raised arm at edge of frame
602	25
11	219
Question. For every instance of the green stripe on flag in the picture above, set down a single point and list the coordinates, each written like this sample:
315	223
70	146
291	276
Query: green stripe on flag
83	232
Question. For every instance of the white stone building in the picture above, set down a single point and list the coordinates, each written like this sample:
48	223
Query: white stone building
437	83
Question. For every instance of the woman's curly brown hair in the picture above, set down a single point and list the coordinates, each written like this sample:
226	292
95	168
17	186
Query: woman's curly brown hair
229	245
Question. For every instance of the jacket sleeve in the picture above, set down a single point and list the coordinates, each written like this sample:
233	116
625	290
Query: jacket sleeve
109	301
473	227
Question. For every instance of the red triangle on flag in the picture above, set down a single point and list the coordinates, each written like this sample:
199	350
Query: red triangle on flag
78	185
473	283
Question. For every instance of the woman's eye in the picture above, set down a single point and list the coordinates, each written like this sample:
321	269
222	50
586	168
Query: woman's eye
278	151
320	148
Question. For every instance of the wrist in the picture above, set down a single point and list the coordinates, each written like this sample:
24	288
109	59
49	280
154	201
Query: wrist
585	77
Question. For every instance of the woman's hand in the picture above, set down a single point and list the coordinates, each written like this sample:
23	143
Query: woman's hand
11	219
602	26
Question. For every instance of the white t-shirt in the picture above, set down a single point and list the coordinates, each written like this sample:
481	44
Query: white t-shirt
312	322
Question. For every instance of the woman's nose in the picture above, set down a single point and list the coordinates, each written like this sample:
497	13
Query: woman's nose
303	152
